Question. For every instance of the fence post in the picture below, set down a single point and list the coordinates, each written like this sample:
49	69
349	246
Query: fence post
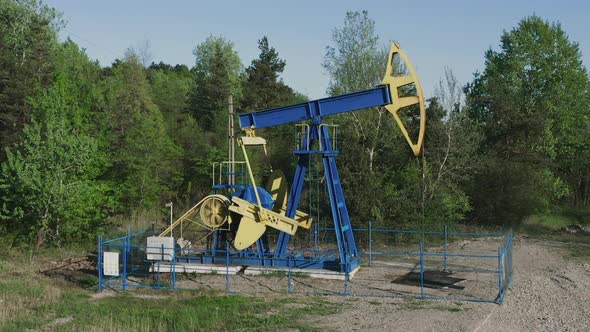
125	243
99	264
346	275
289	285
316	237
510	261
129	236
227	267
500	276
370	243
446	248
422	270
173	274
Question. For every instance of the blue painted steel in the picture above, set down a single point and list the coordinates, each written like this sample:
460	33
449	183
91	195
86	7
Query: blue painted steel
173	272
325	153
227	266
342	226
347	276
289	285
422	270
248	194
500	276
370	243
216	241
125	244
100	264
405	231
298	259
316	109
316	239
508	261
295	193
446	267
228	186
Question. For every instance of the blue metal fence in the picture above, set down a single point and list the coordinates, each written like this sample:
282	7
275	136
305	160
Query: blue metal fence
400	269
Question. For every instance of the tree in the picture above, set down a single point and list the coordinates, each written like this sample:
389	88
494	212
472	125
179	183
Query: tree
530	105
144	158
371	145
452	138
82	75
171	88
263	87
48	184
27	44
216	76
143	50
357	62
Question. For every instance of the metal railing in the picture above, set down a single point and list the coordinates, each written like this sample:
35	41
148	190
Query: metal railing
426	270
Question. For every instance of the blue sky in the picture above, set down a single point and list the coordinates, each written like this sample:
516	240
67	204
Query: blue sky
434	34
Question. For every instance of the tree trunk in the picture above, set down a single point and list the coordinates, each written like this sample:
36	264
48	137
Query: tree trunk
39	241
371	155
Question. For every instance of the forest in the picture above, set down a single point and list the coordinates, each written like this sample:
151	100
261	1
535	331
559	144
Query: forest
86	149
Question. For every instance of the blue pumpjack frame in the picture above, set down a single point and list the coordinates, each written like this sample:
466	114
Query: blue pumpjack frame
316	136
316	109
348	254
316	140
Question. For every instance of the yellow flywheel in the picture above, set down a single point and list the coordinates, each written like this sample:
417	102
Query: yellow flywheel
214	210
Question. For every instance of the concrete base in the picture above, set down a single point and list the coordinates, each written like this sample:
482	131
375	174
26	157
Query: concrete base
312	273
166	267
195	268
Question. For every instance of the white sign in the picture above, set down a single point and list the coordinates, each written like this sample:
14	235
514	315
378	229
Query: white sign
160	248
110	263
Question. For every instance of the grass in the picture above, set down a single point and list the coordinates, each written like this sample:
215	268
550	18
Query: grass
33	301
559	218
551	222
547	227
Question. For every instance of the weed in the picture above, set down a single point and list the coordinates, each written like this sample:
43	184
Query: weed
547	227
415	304
33	301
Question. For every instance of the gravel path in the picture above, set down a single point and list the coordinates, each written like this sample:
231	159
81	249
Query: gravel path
549	293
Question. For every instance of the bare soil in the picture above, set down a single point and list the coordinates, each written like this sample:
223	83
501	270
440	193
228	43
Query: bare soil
549	293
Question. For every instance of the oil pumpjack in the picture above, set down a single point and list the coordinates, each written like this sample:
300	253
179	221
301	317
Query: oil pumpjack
245	212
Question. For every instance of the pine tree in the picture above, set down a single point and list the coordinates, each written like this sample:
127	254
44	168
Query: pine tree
263	87
144	158
216	76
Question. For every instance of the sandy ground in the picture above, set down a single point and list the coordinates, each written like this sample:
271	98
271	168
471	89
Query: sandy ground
549	293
